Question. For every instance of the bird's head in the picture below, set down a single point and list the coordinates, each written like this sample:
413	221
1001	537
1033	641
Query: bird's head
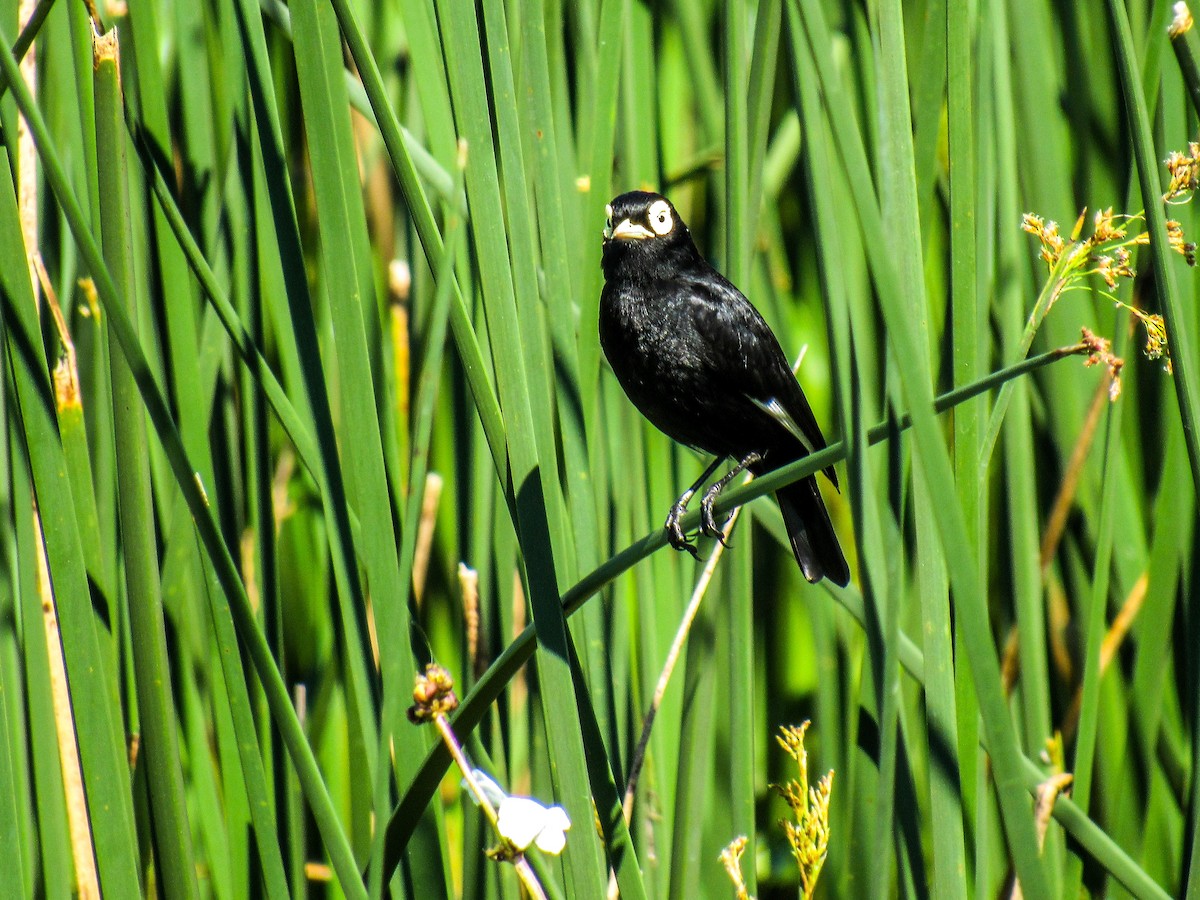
645	226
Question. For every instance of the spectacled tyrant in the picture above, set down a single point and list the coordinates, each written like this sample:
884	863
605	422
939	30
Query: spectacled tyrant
700	362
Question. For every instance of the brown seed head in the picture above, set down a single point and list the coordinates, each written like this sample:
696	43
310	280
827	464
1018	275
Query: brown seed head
433	695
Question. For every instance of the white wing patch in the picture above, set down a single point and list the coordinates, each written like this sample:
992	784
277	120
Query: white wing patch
773	408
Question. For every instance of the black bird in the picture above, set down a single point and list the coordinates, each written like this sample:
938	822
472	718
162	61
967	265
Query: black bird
703	366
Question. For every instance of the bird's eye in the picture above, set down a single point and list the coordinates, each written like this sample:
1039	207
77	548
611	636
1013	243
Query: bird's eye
608	226
660	217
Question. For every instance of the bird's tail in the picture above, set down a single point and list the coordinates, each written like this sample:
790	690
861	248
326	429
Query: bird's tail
814	541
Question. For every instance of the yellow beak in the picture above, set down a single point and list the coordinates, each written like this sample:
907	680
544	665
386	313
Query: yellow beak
629	231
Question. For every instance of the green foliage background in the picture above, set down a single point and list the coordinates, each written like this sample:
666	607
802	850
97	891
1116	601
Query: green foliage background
284	443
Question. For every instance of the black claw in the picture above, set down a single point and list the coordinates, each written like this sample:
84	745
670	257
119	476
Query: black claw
708	525
675	534
708	520
677	539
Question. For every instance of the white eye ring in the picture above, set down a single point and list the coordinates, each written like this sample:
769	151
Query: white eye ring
660	217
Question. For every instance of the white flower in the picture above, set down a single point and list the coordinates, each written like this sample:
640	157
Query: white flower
523	820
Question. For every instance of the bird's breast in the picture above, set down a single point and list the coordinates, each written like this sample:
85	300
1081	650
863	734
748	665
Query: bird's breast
655	353
645	339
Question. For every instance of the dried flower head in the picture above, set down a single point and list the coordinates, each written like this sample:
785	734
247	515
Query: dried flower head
1100	354
1106	248
1110	268
731	859
1032	223
1047	233
1098	348
1184	170
1187	249
808	835
1156	337
1106	252
1104	228
433	695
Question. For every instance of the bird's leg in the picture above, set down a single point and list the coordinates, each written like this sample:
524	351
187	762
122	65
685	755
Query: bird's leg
708	522
675	536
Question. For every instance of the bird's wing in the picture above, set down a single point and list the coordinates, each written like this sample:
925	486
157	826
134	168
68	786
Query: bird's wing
779	413
751	356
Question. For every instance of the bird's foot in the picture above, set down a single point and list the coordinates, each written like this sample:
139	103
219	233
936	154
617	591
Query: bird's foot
675	534
708	520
